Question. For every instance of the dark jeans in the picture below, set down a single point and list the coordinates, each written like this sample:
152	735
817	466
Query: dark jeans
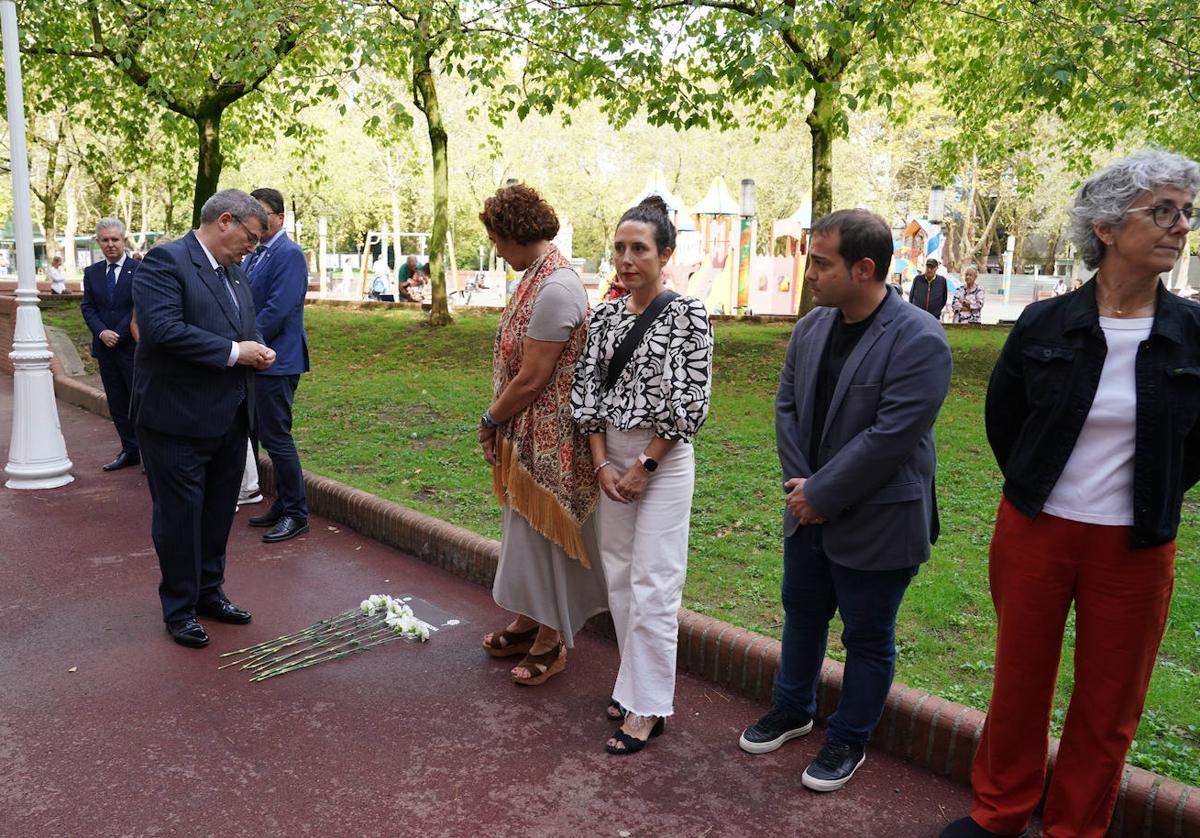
813	588
116	373
273	396
194	484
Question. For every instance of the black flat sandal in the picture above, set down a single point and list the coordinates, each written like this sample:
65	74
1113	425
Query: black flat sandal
632	743
615	712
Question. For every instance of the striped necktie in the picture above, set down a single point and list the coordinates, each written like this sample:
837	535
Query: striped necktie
229	289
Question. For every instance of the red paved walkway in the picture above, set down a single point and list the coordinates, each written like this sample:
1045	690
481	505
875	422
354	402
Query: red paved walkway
148	738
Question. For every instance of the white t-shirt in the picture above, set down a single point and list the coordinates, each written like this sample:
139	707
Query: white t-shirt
1096	486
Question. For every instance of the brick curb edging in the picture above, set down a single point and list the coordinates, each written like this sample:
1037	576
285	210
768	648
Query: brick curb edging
937	734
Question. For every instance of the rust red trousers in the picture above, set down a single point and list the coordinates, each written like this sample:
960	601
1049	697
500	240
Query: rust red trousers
1037	570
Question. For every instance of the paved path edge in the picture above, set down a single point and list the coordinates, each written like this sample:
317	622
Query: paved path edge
939	735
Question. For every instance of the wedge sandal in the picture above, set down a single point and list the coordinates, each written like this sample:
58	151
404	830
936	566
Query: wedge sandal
542	666
505	643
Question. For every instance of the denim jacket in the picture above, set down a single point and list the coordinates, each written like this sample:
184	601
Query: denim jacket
1041	392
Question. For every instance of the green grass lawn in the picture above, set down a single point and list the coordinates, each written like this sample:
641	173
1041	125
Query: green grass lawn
392	407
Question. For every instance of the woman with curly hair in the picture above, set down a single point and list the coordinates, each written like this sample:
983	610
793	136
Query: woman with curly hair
641	392
541	468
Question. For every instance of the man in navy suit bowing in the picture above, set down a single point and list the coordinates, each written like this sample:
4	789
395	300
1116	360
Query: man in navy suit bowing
107	309
278	275
193	403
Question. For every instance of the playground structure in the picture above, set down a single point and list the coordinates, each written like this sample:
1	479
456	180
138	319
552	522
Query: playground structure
716	257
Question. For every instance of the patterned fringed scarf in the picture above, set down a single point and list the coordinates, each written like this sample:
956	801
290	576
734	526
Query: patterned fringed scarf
544	464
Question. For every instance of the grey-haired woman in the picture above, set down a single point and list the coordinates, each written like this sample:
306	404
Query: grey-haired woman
1093	413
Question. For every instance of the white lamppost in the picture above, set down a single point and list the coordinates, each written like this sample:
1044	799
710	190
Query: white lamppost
37	455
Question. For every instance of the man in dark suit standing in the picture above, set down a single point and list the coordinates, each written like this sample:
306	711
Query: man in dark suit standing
863	380
107	309
193	403
278	275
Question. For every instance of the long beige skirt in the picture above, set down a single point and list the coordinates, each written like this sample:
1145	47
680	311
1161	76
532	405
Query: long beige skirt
537	579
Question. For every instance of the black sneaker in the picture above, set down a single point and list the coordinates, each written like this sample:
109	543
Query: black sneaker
773	729
833	767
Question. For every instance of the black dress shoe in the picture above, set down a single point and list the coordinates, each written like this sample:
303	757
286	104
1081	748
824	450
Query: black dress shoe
269	518
287	527
188	632
124	459
224	611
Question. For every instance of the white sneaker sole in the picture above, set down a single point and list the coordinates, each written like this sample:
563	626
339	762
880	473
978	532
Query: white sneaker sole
775	744
829	785
251	499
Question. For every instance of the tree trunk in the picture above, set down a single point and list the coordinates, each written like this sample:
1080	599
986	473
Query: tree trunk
140	241
49	229
984	237
105	186
49	196
950	248
1049	265
427	100
968	258
820	126
125	199
208	169
69	263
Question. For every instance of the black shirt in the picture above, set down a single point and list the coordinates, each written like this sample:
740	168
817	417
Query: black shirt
843	337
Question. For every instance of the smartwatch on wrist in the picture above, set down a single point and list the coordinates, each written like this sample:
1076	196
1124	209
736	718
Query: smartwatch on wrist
648	463
487	420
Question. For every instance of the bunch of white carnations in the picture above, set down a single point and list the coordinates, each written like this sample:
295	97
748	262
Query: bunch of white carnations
378	619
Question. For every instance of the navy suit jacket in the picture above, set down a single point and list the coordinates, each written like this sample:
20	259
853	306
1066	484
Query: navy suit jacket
874	476
279	282
181	381
99	312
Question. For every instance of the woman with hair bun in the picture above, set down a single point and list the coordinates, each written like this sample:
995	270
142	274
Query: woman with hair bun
541	468
641	392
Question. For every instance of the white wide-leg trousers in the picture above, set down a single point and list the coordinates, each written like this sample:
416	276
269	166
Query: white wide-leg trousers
644	551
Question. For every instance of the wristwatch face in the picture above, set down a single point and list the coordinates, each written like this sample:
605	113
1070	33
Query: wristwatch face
648	463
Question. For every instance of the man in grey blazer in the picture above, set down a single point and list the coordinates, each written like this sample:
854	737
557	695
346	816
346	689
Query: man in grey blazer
862	383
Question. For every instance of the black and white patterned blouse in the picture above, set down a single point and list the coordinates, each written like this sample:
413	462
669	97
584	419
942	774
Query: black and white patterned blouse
668	381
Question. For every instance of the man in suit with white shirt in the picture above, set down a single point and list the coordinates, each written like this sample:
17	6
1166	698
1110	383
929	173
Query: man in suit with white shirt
193	403
278	274
863	380
107	309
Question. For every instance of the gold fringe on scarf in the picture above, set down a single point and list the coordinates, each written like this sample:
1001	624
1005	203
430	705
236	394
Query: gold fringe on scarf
511	482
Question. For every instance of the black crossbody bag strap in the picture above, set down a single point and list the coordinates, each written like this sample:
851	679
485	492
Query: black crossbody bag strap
625	351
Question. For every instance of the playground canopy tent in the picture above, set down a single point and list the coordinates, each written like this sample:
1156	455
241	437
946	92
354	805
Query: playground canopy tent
657	185
718	201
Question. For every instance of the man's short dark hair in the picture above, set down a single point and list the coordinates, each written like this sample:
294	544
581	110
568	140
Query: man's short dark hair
864	235
271	197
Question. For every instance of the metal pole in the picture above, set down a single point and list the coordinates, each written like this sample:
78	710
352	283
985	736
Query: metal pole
37	454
